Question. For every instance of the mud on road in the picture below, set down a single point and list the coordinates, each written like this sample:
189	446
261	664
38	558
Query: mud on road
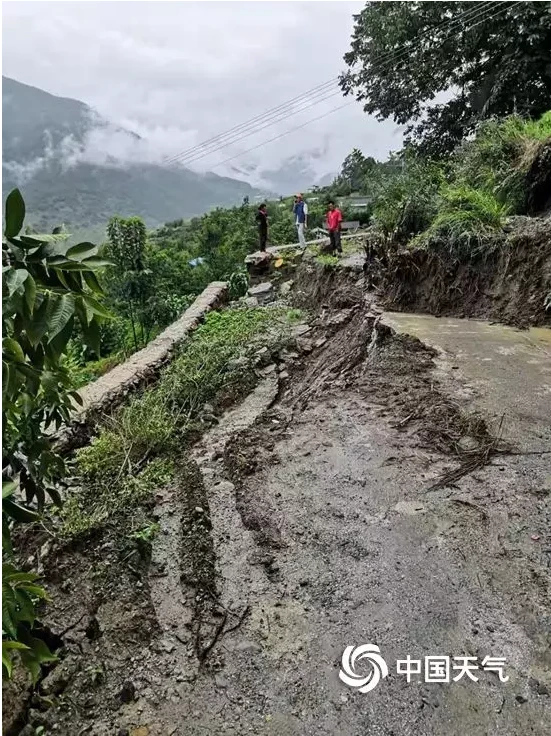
310	519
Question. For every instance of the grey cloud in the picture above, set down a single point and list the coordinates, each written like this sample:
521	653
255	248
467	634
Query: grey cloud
178	72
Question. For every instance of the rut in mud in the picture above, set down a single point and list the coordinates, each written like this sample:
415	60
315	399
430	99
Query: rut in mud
310	518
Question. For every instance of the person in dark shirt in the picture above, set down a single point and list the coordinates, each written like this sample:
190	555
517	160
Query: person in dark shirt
262	222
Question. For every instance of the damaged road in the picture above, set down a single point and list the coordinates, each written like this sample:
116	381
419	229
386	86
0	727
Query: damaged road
309	518
326	534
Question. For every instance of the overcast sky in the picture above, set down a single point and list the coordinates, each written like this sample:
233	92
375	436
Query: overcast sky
180	72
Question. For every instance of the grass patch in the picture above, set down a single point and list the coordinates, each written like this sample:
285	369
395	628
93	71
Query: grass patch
98	500
467	223
498	160
327	260
127	460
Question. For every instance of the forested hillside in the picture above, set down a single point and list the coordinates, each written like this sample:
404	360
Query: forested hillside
45	140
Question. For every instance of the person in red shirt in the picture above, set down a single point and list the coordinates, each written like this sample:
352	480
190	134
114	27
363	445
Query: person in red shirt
334	219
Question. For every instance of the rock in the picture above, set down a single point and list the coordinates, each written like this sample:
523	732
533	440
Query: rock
258	262
261	289
467	444
304	344
251	301
286	287
268	370
56	681
539	687
283	375
248	646
209	419
521	699
127	692
221	682
300	330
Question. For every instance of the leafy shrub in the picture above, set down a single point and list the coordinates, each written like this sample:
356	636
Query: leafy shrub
48	287
467	221
498	159
238	283
20	594
408	200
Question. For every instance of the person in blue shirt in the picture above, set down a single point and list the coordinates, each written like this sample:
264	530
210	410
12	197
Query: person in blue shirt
300	210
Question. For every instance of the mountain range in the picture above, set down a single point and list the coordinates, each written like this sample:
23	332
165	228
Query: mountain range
60	153
46	153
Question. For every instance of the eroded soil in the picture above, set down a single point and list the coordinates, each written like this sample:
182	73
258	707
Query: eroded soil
308	520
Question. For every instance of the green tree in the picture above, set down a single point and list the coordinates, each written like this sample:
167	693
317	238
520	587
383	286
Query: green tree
355	169
404	54
48	287
129	280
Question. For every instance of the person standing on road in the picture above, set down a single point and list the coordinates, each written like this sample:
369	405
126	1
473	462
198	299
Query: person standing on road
262	222
300	210
334	219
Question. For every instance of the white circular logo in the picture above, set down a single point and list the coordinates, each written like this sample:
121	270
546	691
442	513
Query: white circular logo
379	668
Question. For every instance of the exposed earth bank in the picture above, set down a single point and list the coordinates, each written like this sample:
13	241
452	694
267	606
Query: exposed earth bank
509	282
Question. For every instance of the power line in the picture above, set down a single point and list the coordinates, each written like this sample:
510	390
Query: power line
320	88
191	153
291	130
256	130
281	113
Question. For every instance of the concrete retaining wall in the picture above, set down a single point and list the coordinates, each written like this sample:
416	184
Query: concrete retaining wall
143	367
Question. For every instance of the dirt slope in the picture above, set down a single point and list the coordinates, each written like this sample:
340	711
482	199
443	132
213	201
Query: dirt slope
510	284
310	519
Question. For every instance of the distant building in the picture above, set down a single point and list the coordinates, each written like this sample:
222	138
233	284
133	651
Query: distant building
355	201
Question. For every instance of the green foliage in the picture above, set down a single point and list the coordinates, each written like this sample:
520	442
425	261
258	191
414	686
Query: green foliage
105	495
328	260
130	284
238	283
407	198
355	171
498	159
460	204
466	223
48	287
20	594
145	533
496	63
